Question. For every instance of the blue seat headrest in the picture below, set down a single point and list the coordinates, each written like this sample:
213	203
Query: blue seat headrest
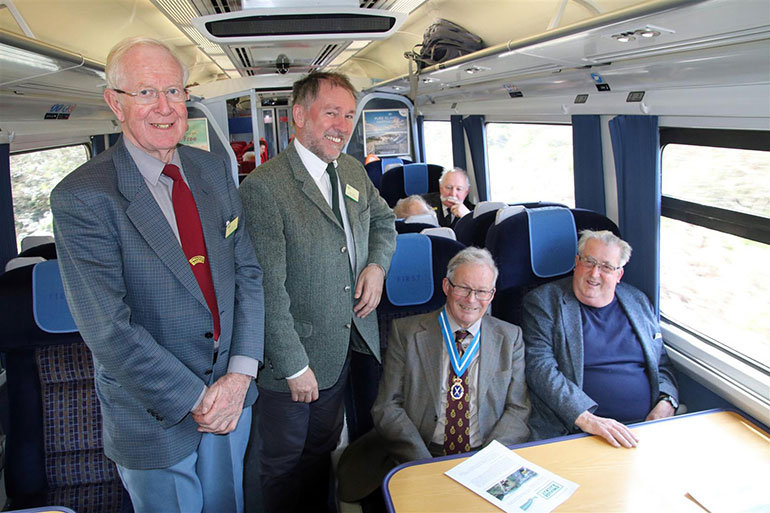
415	179
410	278
553	241
49	305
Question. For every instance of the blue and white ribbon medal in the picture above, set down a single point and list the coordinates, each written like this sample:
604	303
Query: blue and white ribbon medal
460	365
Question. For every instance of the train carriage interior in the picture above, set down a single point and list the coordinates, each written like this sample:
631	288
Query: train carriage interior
647	117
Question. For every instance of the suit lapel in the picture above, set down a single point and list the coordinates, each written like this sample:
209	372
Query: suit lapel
489	354
629	306
428	346
145	214
573	334
213	233
308	185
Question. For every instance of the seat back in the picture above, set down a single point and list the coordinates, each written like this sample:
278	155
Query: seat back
440	231
402	181
472	229
533	247
403	227
413	285
376	168
55	452
30	241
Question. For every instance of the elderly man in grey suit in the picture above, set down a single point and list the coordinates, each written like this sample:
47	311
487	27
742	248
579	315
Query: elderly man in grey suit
166	291
325	238
453	381
595	355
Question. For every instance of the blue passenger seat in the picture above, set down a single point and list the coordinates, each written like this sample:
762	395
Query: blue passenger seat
402	181
533	247
413	284
54	440
377	168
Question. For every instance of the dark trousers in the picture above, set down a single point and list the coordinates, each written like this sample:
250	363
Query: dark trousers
363	383
296	443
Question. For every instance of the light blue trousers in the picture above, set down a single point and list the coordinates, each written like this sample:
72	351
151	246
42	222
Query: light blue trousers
210	480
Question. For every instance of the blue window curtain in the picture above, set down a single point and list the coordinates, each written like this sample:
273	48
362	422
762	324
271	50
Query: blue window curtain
7	227
588	164
97	142
636	146
418	153
477	141
458	142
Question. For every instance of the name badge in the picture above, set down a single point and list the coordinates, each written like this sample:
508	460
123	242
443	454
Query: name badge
231	227
351	192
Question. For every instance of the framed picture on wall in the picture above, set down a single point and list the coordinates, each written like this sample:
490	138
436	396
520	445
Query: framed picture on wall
386	132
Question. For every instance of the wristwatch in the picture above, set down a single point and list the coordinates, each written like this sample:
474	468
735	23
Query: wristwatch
665	397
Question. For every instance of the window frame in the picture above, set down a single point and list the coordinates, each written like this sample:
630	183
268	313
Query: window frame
741	380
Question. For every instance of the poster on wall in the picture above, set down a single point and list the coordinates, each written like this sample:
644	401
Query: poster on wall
197	134
386	132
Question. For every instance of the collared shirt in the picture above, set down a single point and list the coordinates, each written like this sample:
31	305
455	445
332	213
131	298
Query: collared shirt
317	169
161	187
473	385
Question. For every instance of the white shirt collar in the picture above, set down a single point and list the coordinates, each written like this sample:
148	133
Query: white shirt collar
149	167
314	165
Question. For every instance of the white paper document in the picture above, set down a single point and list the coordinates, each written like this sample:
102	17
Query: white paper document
510	482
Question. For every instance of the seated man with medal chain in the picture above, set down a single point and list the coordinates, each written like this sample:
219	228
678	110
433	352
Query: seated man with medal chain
453	381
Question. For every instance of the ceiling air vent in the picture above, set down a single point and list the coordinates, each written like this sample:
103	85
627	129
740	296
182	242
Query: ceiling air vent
276	25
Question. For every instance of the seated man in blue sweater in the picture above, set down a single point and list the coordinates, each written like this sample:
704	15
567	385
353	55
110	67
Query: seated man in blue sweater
594	352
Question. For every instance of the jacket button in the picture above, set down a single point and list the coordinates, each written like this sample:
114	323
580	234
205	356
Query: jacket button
209	335
207	372
347	325
347	288
343	249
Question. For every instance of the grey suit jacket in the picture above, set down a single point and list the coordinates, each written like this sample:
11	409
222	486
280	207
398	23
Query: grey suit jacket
138	306
553	334
407	407
302	249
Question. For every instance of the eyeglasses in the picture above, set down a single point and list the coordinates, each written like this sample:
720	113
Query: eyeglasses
589	263
150	95
460	291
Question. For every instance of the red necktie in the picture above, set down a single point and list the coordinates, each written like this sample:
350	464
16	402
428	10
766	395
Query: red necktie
457	427
188	222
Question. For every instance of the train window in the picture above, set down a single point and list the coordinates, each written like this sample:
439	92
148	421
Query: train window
437	151
33	175
715	281
529	162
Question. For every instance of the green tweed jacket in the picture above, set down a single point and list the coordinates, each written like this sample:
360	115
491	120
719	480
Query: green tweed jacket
302	250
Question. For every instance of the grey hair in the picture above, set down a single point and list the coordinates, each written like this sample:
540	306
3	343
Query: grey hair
404	203
472	255
609	239
455	170
114	69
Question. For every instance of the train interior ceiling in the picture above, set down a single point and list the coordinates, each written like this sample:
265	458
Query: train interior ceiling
700	64
682	54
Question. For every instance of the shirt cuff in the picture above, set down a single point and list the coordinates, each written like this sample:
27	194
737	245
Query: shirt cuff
243	365
200	398
298	374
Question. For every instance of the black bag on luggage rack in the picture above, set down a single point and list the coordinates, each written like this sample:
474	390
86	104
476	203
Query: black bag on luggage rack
444	41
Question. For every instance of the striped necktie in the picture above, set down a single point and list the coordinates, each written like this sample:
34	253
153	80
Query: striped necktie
188	222
458	415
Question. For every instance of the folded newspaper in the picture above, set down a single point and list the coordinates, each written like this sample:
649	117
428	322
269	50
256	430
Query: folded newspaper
510	482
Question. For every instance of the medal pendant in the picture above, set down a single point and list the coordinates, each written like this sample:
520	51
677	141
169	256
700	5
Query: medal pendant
457	390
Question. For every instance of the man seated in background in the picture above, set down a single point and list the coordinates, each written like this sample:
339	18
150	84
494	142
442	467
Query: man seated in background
413	205
451	202
624	374
453	382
